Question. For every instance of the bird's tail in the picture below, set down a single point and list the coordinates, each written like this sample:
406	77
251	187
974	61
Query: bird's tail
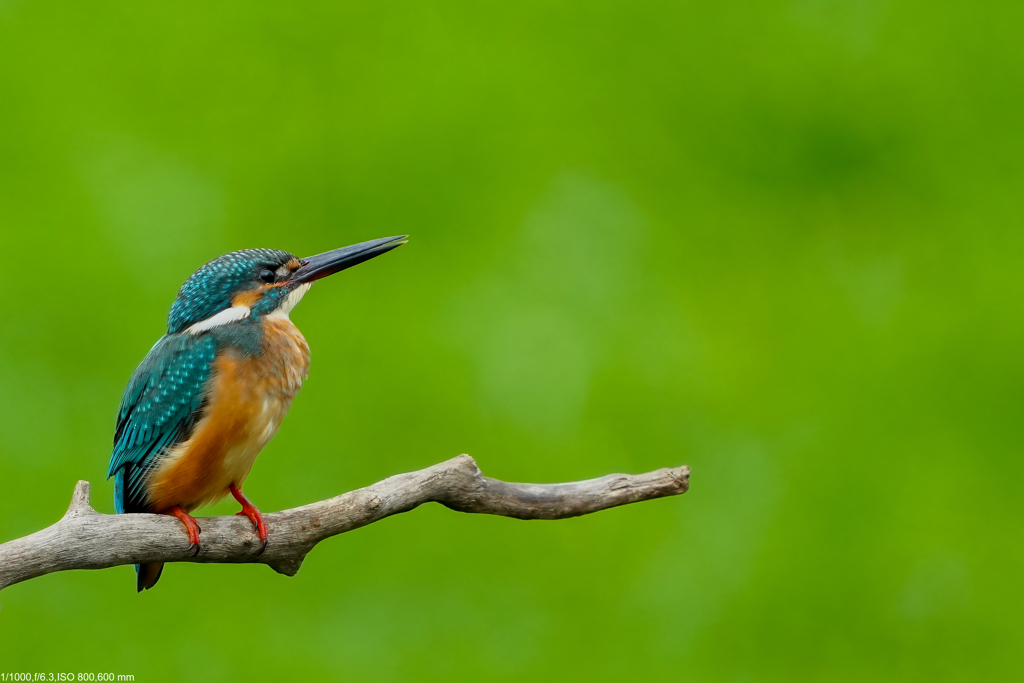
149	574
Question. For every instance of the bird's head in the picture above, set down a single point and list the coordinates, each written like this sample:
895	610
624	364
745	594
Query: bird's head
259	282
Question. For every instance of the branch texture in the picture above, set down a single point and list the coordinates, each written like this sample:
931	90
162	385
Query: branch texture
86	539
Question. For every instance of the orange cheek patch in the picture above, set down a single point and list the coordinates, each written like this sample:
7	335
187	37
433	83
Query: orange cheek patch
250	298
247	299
293	264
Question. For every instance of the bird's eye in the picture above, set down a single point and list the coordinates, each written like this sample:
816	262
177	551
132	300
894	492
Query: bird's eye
267	275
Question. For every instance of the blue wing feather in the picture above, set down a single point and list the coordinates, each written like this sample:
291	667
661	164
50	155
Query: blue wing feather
159	409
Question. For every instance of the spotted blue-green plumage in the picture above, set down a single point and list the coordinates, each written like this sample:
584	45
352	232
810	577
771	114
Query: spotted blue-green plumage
211	288
160	407
164	399
221	309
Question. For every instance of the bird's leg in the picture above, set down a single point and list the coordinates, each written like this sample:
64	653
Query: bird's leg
191	525
250	511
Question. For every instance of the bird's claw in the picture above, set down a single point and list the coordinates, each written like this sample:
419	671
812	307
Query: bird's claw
256	518
191	526
249	510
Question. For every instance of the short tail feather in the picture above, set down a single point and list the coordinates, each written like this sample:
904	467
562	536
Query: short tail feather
149	574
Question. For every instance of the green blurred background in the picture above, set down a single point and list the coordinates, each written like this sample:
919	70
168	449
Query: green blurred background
777	241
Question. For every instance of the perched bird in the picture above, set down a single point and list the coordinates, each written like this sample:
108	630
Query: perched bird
213	391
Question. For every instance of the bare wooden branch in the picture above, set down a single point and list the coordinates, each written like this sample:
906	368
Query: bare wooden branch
86	539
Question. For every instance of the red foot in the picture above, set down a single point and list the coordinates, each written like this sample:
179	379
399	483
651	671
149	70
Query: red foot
250	511
191	525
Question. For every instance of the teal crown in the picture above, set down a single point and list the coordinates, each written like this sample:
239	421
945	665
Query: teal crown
212	288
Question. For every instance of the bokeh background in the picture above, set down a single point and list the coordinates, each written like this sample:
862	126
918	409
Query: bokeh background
777	241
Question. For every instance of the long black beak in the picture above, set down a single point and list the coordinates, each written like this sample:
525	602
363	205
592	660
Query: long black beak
330	262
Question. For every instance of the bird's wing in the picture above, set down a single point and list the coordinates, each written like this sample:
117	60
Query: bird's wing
160	408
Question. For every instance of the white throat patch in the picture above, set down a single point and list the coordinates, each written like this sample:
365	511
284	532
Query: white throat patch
290	302
228	315
235	313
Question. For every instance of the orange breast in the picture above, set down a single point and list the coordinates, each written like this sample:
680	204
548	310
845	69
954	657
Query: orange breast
249	396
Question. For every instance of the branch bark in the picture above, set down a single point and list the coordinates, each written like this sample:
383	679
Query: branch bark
86	539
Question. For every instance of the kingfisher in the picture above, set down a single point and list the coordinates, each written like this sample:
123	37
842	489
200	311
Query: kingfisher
212	391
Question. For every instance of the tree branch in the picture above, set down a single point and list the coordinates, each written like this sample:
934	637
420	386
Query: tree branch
86	539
